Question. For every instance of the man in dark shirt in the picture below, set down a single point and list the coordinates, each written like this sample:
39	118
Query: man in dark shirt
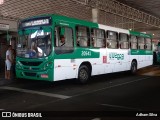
62	38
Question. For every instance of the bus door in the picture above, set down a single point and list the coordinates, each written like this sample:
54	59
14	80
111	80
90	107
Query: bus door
120	60
115	59
115	55
123	55
64	50
142	54
149	52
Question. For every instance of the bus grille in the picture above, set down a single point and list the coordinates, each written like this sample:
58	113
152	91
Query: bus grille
30	74
30	63
27	68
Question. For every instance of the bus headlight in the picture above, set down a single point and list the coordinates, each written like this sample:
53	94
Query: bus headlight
47	65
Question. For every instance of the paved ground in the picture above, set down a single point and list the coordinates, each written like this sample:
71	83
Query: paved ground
106	96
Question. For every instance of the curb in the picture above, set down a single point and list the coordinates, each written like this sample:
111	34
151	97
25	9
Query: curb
4	82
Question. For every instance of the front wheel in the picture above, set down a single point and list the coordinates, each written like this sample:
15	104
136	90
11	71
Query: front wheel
133	67
83	74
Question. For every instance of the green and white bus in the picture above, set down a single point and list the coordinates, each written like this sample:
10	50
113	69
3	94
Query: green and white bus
89	49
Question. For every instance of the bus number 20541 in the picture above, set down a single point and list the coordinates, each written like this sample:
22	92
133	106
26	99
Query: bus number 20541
86	53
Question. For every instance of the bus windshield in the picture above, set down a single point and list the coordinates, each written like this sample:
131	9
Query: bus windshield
34	43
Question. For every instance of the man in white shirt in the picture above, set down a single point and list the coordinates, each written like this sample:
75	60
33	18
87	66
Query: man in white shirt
8	62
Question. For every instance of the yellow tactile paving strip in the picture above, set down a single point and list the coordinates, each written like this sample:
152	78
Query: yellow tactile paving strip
149	71
153	73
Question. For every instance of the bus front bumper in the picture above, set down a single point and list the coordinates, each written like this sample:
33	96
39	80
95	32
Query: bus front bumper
42	75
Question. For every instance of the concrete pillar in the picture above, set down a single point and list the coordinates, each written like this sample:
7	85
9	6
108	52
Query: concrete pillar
95	15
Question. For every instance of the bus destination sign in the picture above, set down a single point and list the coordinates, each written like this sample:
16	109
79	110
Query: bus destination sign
44	21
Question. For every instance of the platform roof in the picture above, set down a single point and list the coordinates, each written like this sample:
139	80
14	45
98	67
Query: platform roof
149	6
19	9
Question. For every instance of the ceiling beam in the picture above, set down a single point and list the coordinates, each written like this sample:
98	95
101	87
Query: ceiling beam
117	8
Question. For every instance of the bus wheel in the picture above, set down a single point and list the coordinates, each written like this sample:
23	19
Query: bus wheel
83	74
133	67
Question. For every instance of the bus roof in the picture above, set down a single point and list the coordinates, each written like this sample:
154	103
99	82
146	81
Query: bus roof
64	18
140	34
84	22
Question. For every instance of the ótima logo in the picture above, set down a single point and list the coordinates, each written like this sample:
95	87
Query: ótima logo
116	56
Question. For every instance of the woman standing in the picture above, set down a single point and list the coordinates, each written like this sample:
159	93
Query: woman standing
8	62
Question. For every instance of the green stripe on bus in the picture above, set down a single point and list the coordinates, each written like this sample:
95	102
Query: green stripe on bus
141	52
140	34
80	53
66	21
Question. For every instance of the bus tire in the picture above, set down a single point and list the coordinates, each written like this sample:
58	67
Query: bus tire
83	74
133	67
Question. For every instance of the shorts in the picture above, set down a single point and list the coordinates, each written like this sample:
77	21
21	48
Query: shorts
8	65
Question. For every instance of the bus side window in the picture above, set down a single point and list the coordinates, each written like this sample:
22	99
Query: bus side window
112	39
64	36
82	35
98	38
133	42
148	44
123	41
141	43
63	40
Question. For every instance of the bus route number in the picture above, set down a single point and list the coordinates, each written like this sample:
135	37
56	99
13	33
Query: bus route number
86	53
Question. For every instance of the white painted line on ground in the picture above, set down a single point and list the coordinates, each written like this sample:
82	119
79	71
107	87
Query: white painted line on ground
96	119
36	92
111	87
118	106
34	106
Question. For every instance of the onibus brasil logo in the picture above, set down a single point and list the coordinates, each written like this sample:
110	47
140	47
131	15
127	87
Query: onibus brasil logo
114	55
